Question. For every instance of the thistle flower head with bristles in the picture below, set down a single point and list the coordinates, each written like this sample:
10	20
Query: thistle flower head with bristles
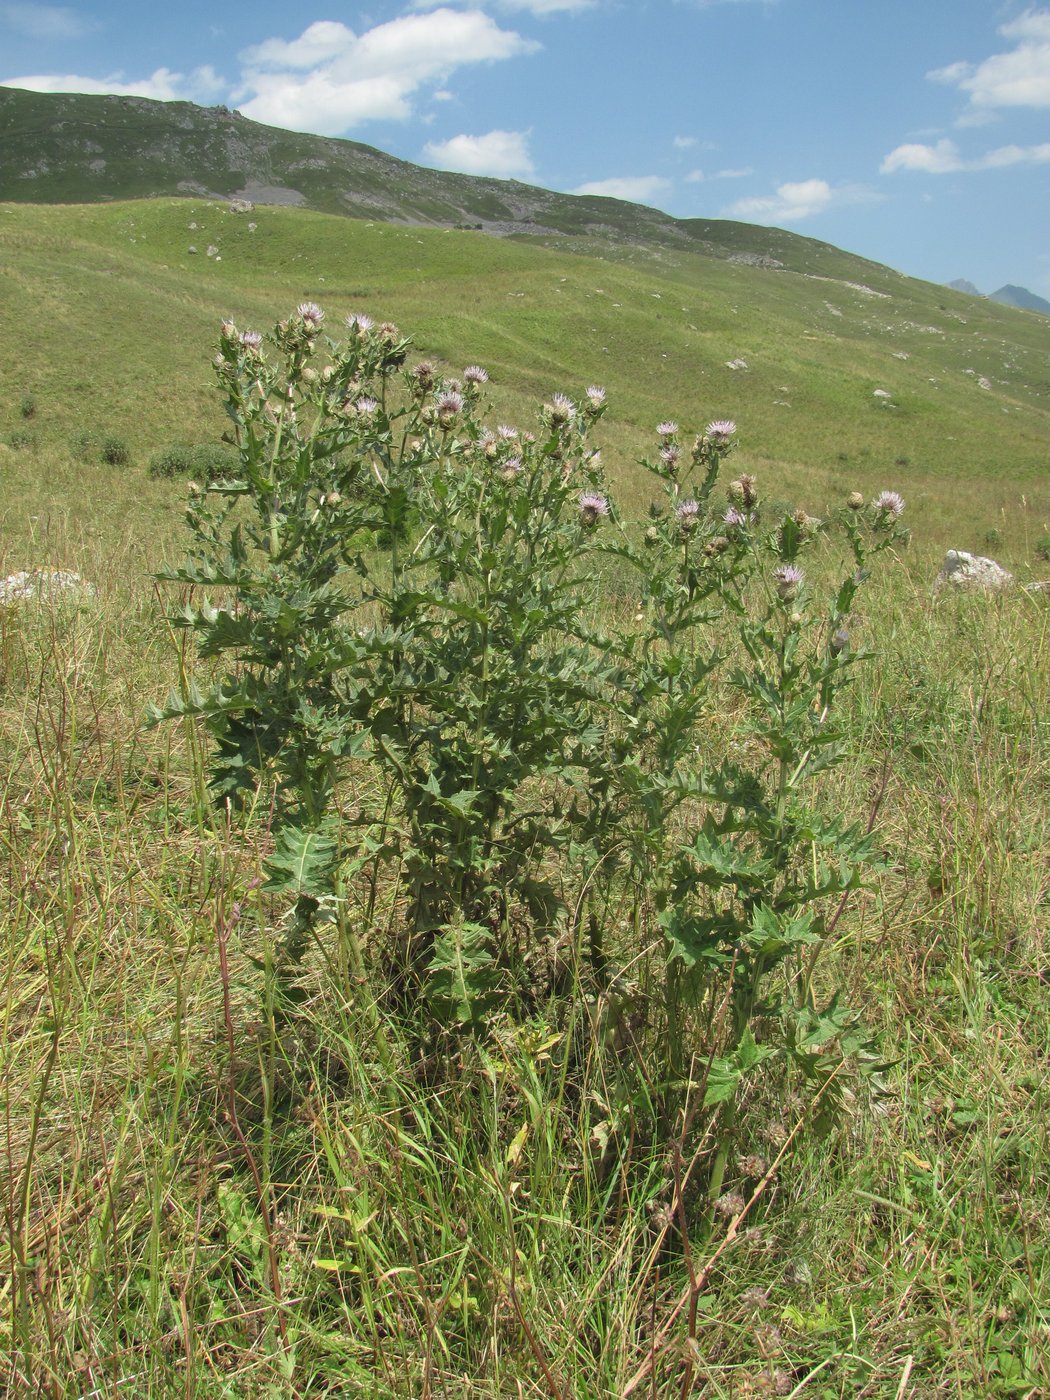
359	322
788	578
448	403
687	513
666	430
593	507
889	503
719	432
744	491
475	375
558	411
311	316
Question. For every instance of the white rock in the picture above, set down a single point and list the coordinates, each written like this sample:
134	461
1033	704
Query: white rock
40	584
883	394
963	570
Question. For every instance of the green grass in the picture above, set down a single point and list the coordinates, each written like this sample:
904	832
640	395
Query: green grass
456	1233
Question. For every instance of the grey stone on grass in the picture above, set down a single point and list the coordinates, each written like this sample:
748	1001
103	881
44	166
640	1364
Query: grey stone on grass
963	570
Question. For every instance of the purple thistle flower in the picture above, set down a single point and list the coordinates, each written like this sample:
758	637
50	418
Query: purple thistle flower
251	340
788	579
366	407
734	517
890	503
669	455
474	374
720	431
511	468
449	403
311	314
595	396
666	430
593	508
687	514
359	322
507	433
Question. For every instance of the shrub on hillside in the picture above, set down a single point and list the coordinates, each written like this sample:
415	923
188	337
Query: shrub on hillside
204	461
114	451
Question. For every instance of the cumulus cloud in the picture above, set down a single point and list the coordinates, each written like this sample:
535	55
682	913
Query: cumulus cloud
638	189
1019	78
330	79
945	158
503	154
797	200
202	85
44	21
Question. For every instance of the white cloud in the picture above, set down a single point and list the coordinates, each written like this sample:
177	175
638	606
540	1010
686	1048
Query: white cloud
534	7
638	189
935	160
798	200
504	154
682	143
1020	78
315	45
330	79
547	7
697	177
44	21
202	85
946	158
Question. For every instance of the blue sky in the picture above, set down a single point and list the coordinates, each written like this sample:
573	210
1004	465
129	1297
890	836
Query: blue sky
913	132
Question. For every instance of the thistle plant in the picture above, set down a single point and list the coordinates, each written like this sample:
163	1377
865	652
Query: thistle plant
398	589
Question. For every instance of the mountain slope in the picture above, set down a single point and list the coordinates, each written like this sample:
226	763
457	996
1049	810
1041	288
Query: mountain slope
72	148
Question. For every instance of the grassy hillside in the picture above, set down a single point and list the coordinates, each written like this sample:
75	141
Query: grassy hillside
113	318
218	1183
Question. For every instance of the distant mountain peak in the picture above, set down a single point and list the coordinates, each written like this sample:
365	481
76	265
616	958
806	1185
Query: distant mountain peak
961	285
1020	297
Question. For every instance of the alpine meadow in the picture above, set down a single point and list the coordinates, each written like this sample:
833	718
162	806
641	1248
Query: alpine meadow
519	882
